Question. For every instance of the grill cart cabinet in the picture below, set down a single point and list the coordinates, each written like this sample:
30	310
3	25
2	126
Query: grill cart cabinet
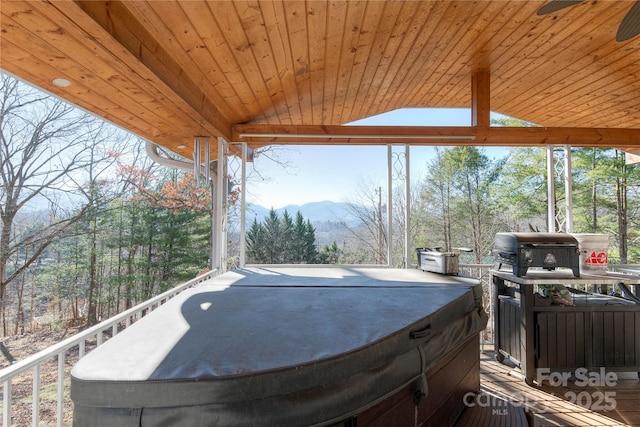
292	347
596	331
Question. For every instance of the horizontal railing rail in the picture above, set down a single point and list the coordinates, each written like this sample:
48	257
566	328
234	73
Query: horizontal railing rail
111	327
633	269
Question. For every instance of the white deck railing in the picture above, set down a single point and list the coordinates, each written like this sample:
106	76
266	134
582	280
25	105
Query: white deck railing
59	351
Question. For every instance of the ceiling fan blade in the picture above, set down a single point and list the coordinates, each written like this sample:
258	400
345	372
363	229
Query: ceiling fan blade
630	25
556	5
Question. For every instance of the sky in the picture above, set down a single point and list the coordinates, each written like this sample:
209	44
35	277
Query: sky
318	173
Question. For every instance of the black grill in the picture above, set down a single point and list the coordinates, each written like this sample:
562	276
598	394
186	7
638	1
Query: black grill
545	250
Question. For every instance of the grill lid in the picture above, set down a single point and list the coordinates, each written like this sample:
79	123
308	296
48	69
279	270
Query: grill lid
533	239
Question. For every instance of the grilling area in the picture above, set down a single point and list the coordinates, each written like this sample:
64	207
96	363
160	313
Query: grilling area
564	335
547	333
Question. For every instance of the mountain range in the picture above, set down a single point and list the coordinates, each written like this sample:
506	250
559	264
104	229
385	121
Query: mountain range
316	212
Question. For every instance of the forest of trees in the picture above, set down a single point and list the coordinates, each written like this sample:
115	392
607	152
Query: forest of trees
91	227
285	241
465	197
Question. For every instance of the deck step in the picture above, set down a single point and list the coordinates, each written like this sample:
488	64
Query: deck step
486	409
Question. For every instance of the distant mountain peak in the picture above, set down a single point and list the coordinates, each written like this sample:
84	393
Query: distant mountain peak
321	211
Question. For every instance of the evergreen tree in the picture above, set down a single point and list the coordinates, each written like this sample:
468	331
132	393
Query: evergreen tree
594	189
281	240
272	238
299	230
522	188
330	254
309	244
601	196
256	243
435	214
287	239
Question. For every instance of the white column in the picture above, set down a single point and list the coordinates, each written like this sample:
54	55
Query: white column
407	214
551	192
213	246
220	231
197	161
389	205
243	207
568	189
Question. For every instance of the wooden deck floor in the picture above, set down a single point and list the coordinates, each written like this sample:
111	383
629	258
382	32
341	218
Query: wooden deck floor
552	406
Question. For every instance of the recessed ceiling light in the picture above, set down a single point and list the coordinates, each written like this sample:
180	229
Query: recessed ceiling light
181	146
60	82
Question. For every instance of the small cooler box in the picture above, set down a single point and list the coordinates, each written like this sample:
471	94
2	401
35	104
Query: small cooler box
437	262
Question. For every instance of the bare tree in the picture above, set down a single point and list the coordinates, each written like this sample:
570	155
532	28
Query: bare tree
47	148
368	208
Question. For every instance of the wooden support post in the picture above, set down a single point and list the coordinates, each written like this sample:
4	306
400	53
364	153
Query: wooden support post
480	99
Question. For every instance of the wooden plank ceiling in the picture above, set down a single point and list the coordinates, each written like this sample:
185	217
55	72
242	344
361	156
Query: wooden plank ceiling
169	70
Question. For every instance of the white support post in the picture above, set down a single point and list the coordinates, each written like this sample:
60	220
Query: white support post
6	403
221	211
35	396
407	217
213	246
196	159
225	206
551	191
207	159
60	389
243	206
568	189
389	205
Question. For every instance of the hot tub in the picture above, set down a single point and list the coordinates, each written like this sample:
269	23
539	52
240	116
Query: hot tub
290	346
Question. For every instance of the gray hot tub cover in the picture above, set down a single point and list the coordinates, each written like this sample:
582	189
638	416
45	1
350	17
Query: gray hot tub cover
293	346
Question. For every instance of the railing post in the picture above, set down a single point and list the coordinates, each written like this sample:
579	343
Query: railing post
60	391
6	404
35	395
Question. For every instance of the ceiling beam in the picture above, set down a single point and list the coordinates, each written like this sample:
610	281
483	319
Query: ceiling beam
261	135
146	57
